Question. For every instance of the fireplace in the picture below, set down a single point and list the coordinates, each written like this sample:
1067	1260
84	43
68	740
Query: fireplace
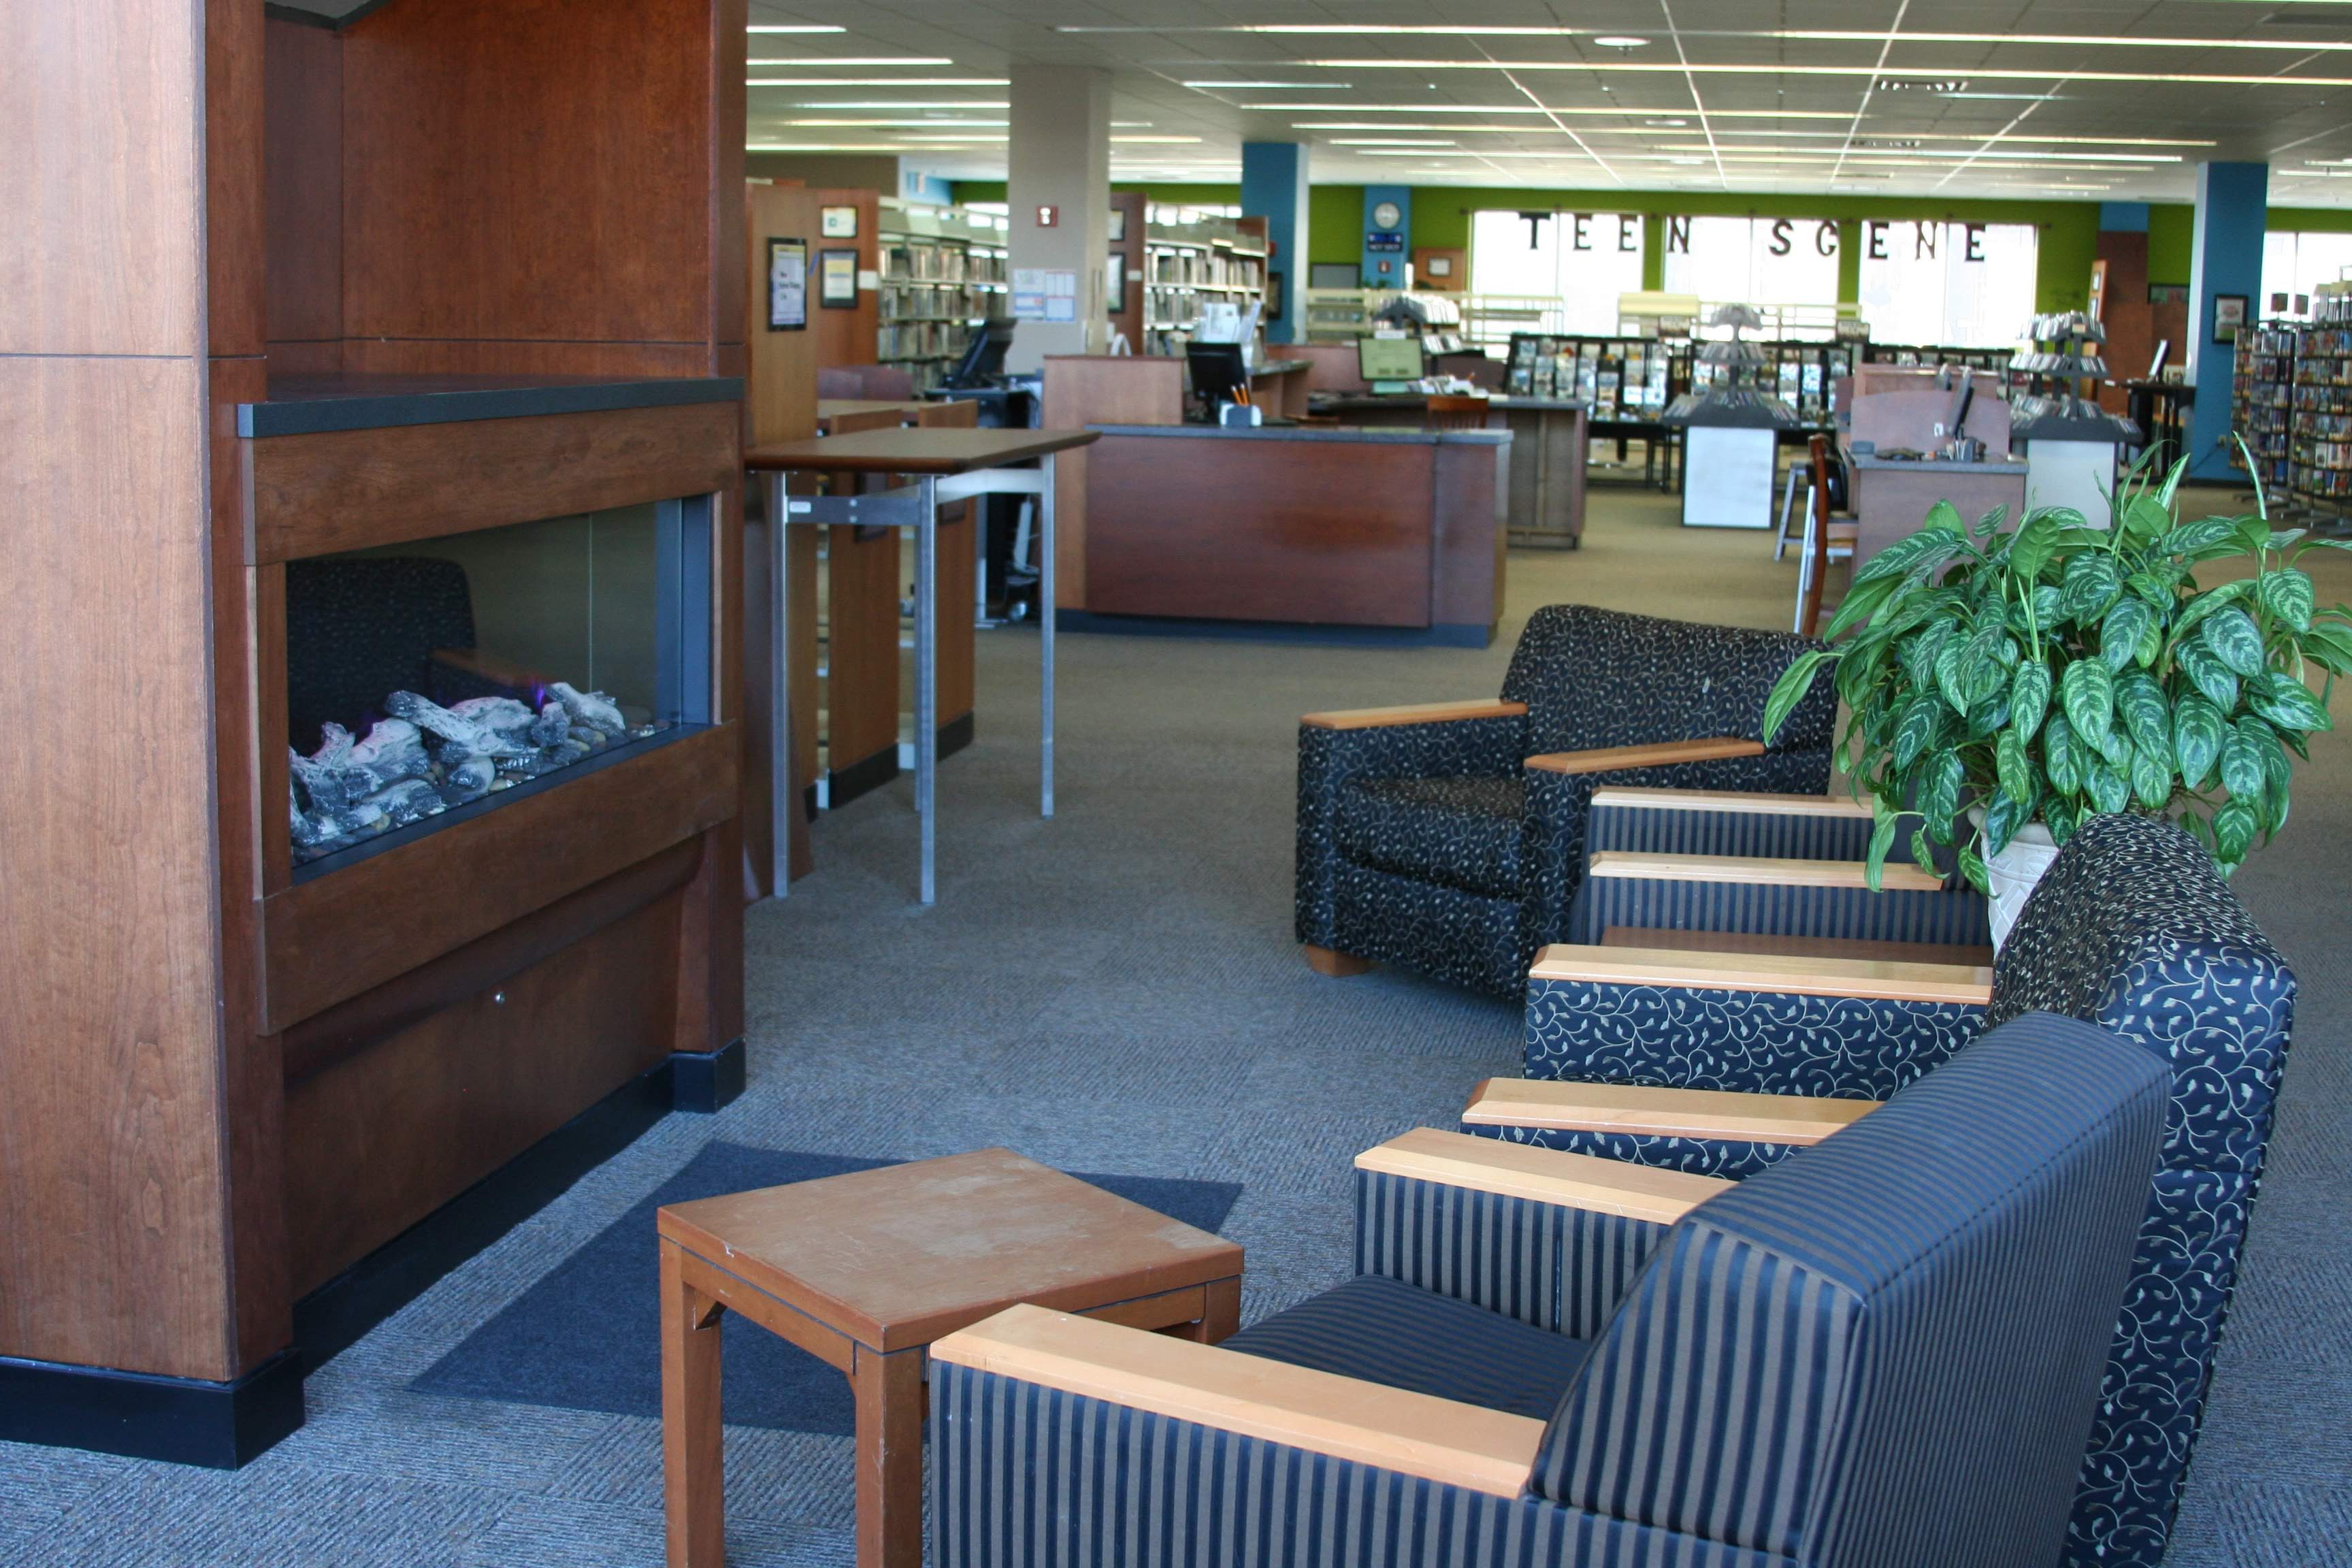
432	680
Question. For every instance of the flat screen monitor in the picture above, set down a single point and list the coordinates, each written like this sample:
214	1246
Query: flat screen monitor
1388	359
1218	370
983	358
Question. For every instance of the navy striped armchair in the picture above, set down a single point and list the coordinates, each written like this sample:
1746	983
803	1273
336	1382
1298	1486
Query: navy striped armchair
1728	1062
1448	839
1861	1358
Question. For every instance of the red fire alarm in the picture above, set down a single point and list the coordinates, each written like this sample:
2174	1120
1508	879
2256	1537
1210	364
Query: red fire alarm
1047	216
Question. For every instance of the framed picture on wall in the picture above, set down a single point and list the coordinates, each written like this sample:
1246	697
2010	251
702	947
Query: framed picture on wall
2229	315
838	222
1118	226
787	285
836	280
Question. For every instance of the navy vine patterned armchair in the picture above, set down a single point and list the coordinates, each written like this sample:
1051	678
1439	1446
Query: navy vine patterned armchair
1883	1353
1448	839
1725	1063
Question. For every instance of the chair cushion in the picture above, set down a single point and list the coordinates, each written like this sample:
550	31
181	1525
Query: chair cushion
1457	832
1386	1331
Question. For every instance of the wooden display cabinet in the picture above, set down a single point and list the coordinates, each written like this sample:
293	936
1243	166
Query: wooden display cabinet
245	1108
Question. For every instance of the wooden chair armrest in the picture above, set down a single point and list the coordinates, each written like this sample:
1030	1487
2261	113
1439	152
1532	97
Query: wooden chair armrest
1899	876
1367	1423
1723	800
1696	969
1543	1175
1414	713
1644	1110
1663	754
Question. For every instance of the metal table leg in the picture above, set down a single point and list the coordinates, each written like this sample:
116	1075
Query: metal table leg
927	675
1046	633
779	697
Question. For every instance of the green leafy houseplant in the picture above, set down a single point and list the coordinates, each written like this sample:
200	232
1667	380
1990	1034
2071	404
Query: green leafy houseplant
2054	671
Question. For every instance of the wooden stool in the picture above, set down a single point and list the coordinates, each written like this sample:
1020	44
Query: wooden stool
866	1271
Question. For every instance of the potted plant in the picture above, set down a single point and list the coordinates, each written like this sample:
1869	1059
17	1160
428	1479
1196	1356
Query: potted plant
2009	683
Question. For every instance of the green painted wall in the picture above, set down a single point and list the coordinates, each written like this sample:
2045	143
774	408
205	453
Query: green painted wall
1334	214
2171	226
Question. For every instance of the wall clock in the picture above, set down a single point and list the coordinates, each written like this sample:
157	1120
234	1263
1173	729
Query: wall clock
1386	214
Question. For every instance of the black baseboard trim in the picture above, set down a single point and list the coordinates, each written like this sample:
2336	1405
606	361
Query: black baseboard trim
954	736
335	1315
705	1081
221	1426
178	1420
1440	636
842	785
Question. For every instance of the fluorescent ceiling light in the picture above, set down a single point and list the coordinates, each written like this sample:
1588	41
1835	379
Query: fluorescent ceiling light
860	60
1612	110
2008	97
792	28
1118	140
1490	130
1621	41
1671	123
1994	150
933	124
1697	68
2063	40
879	82
907	103
1386	142
1291	86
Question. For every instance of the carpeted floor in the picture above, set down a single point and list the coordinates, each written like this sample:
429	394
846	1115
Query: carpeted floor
1116	991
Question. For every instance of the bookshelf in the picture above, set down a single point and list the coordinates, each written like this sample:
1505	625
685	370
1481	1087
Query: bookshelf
2319	446
1189	265
942	274
2261	401
1621	378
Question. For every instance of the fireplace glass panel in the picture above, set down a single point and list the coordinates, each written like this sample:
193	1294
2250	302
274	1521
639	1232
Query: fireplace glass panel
429	680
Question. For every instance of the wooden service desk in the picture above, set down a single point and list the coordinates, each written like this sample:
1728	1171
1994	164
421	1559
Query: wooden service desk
1549	437
947	465
1397	532
834	412
1891	497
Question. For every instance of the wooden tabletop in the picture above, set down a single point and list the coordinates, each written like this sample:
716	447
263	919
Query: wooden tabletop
915	451
899	1256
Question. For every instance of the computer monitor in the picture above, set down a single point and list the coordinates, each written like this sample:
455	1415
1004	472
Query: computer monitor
1388	359
1218	371
983	358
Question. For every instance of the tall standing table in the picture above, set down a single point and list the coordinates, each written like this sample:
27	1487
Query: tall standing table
946	465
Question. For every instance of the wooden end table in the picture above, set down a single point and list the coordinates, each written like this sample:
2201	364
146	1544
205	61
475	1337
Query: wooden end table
866	1271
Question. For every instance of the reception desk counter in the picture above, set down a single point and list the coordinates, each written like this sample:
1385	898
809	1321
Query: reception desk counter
1381	535
1891	498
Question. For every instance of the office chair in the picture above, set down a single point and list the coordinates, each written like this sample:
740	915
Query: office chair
1455	413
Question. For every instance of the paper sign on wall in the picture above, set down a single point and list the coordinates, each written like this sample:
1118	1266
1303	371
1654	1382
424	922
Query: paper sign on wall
1044	294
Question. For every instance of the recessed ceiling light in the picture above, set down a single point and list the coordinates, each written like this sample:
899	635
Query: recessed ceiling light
1621	41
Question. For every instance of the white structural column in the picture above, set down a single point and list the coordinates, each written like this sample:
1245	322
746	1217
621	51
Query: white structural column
1059	191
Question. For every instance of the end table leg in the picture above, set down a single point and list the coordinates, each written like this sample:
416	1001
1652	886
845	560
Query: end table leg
1223	1317
889	1390
692	1460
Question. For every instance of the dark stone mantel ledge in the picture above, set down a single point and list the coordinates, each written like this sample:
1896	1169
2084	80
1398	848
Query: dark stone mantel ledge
313	404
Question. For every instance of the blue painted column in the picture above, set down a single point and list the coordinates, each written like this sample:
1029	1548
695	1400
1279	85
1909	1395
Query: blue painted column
1385	246
2225	257
1274	187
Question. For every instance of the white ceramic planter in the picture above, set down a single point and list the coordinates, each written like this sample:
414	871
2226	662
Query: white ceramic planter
2015	872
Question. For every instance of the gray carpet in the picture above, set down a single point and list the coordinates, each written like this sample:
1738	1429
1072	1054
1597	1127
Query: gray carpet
1116	991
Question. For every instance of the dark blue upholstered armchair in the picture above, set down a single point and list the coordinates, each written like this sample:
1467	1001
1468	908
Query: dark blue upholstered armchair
1662	861
1449	839
1883	1353
2132	928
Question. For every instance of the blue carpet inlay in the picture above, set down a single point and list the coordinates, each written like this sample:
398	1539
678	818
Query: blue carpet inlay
587	1336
